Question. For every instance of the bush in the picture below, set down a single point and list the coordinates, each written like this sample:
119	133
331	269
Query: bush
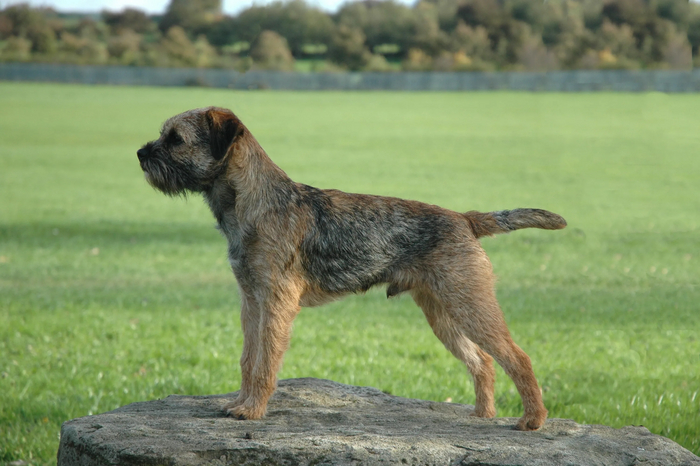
125	47
348	48
534	56
16	49
417	60
271	52
678	53
177	49
377	62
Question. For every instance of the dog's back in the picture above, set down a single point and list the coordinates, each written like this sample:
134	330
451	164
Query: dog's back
356	241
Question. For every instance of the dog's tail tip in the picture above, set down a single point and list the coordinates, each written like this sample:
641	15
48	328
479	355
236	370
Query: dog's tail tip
547	220
505	221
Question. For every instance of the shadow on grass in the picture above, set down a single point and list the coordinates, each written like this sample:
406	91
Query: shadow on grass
100	232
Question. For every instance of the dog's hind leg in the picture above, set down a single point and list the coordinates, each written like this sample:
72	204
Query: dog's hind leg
278	309
481	320
516	363
478	362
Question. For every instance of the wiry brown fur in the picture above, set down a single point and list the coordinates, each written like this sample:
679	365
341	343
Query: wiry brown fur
292	245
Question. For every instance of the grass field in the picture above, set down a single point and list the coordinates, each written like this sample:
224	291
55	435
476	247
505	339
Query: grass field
112	293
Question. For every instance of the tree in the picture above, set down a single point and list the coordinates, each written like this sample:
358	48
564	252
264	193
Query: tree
270	51
177	47
446	12
678	12
652	33
694	35
618	40
507	35
348	48
677	53
223	33
16	49
6	26
129	18
31	23
485	13
191	15
474	41
295	20
381	22
427	35
633	12
82	50
534	56
544	18
125	46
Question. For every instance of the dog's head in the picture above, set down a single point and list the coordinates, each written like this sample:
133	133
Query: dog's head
191	152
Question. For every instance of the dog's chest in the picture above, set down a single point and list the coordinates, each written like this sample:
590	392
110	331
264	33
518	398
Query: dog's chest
232	232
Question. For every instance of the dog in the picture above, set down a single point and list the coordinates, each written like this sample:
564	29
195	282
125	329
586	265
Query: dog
292	245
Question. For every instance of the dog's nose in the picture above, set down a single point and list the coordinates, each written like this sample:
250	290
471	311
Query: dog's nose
142	154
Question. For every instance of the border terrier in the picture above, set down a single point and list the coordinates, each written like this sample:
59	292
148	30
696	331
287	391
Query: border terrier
292	245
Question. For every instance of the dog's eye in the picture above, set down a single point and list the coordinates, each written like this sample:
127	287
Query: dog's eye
175	139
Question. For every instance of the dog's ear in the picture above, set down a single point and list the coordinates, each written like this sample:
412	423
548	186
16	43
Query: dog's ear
224	129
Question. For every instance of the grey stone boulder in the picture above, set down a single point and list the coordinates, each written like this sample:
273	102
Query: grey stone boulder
319	422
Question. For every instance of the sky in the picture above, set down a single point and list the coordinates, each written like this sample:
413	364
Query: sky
157	6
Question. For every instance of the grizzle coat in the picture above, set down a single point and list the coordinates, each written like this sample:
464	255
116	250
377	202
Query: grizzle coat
292	245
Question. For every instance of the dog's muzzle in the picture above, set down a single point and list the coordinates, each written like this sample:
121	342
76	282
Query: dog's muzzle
143	154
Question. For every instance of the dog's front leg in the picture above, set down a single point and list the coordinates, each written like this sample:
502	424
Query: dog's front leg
276	314
250	323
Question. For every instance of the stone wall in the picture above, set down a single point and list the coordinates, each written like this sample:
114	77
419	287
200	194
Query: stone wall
554	81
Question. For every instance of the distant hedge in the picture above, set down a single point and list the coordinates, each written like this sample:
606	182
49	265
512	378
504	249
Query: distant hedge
370	35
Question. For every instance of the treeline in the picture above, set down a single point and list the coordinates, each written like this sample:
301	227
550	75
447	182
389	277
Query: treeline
445	35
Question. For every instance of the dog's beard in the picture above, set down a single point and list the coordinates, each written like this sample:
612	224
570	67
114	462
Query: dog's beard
166	178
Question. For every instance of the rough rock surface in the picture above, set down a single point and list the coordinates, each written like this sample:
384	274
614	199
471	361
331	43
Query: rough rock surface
319	422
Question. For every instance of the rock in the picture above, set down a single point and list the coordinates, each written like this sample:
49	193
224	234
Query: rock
319	422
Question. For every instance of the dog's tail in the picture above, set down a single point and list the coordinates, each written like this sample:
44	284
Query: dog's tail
505	221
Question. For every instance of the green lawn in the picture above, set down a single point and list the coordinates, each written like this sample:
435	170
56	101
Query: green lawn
112	293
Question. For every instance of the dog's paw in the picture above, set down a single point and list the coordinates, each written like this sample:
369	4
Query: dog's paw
245	411
233	404
531	421
486	413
